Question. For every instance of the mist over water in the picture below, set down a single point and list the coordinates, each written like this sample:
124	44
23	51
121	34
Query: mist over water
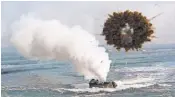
41	39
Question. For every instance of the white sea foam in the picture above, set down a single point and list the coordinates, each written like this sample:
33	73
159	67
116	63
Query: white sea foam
122	85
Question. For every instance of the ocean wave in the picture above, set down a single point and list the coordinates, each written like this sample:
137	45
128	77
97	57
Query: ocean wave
161	73
7	69
7	58
122	85
19	62
84	88
155	67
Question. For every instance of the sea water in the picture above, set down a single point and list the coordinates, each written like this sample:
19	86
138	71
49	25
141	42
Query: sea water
147	73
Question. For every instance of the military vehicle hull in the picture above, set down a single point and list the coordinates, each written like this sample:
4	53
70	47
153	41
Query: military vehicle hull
96	83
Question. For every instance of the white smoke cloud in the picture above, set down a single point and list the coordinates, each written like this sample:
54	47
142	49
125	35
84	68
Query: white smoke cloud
50	39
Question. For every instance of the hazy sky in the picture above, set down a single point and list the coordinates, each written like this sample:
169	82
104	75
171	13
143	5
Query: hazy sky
90	15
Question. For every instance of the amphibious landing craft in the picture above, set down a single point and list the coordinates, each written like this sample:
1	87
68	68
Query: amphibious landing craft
96	83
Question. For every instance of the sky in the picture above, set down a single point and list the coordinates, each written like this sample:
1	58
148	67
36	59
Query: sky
90	15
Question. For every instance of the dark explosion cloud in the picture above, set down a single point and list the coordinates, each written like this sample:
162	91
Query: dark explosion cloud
128	30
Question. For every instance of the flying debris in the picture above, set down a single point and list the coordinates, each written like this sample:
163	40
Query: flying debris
128	30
